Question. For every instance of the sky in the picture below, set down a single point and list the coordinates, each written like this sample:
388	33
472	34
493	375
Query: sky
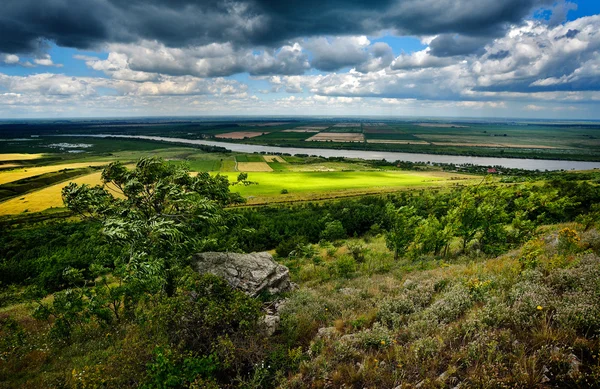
447	58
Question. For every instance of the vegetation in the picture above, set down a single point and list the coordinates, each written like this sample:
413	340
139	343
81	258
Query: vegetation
486	285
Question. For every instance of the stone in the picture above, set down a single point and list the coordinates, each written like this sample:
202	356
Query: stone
326	332
252	273
270	324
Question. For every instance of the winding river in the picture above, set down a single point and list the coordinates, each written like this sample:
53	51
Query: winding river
513	163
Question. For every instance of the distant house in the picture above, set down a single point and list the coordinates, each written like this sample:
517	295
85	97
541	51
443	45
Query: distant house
492	170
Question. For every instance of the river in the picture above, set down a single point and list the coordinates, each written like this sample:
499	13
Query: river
513	163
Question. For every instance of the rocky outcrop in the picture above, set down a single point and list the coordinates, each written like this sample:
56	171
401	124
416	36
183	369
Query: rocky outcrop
253	273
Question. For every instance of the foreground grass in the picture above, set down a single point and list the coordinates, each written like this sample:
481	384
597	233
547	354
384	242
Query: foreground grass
372	322
428	323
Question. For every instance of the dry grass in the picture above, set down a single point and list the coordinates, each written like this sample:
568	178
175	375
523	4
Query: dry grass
239	135
254	167
274	158
337	137
49	197
8	165
43	199
19	157
19	174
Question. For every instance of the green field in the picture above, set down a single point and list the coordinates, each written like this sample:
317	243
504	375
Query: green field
309	185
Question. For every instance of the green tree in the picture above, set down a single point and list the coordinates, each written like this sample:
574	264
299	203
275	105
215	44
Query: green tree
431	236
403	222
158	212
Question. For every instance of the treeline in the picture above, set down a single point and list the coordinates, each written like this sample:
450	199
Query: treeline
490	218
487	217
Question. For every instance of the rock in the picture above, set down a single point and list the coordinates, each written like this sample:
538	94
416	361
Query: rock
574	365
251	273
270	324
326	332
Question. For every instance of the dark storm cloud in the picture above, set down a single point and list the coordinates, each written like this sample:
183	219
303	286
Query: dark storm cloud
178	23
449	45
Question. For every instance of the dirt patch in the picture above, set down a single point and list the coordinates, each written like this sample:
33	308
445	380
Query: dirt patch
398	142
239	135
253	167
337	137
274	158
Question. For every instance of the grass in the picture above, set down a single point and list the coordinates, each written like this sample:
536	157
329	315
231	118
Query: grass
304	185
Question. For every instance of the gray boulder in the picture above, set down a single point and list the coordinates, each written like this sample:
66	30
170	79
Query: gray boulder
251	273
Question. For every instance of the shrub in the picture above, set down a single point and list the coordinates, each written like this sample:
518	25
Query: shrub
427	348
580	311
531	253
284	191
345	266
334	230
357	251
591	240
452	305
377	337
568	241
529	300
284	248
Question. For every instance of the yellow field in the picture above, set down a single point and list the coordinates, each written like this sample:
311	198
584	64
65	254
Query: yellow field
18	174
49	197
254	167
19	157
274	158
7	165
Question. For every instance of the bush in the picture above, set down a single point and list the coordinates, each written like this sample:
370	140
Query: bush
284	248
528	300
345	266
334	230
452	305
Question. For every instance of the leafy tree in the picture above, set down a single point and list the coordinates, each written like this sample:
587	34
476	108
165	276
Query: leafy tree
431	236
403	222
158	213
334	230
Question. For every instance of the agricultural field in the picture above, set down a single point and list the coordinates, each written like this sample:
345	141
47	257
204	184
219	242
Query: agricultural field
337	137
36	188
18	157
303	186
239	135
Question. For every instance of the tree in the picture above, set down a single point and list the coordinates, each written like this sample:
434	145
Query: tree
431	236
158	212
403	222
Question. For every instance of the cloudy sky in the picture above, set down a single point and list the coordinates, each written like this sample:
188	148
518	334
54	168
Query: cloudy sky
484	58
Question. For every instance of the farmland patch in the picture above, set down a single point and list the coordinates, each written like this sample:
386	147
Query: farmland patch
254	167
239	135
337	137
